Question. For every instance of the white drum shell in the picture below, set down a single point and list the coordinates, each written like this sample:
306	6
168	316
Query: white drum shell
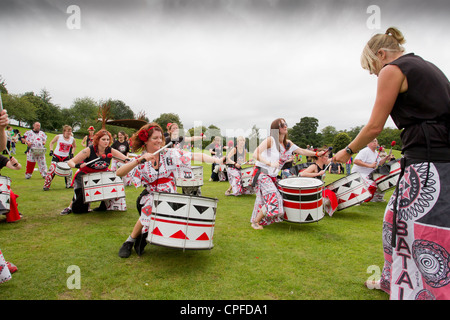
386	182
62	169
5	195
302	199
182	221
38	151
104	185
350	190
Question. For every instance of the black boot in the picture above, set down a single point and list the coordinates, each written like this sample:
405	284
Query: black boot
140	243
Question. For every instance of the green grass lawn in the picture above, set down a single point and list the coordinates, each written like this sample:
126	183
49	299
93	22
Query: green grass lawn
325	260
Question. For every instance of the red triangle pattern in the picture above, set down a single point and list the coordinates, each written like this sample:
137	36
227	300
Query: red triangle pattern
203	237
97	192
179	235
156	232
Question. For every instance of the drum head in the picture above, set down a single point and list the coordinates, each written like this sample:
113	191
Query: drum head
302	182
63	165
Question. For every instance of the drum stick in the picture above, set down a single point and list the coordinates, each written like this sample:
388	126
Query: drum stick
392	144
1	102
103	156
166	146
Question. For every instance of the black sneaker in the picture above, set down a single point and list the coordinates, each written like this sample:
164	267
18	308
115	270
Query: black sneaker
66	211
125	250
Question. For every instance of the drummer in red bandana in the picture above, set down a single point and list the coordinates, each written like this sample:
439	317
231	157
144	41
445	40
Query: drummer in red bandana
65	146
35	139
157	173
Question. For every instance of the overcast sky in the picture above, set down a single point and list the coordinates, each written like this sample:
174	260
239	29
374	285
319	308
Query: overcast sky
231	63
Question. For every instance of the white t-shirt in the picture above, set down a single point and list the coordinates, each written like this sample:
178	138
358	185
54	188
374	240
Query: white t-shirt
273	155
63	146
368	156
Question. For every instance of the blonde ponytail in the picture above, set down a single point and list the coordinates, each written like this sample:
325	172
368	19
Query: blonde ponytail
391	40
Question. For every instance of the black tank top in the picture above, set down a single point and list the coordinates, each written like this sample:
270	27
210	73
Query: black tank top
427	100
101	164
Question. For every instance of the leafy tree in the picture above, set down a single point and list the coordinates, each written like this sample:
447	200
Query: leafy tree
19	108
388	135
305	133
3	86
341	140
328	134
82	114
165	118
119	110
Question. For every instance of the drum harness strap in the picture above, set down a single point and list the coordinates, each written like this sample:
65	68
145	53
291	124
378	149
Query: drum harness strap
412	157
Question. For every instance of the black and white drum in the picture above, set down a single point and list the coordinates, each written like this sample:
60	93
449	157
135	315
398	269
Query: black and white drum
302	199
62	169
5	195
182	221
386	176
36	151
104	185
194	179
350	190
247	177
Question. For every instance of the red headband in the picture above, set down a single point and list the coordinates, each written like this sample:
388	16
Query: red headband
143	134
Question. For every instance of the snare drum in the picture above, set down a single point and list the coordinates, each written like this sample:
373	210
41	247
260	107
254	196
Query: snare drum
38	151
246	179
350	190
302	199
191	179
5	195
182	221
386	176
62	169
103	185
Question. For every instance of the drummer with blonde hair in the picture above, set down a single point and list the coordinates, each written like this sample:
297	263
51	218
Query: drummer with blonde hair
63	152
415	93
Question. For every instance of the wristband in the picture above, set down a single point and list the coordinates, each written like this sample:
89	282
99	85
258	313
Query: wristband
78	165
317	154
348	150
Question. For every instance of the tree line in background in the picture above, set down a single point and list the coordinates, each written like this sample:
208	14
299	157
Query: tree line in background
29	107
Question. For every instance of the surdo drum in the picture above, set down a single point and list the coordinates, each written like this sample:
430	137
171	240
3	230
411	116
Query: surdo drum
302	199
191	179
182	221
38	151
62	169
386	176
350	190
246	176
5	195
104	185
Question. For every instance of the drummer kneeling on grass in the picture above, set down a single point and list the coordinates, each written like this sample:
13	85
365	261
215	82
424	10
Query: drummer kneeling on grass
156	169
95	158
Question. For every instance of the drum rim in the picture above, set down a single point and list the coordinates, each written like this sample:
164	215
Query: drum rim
183	195
320	183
